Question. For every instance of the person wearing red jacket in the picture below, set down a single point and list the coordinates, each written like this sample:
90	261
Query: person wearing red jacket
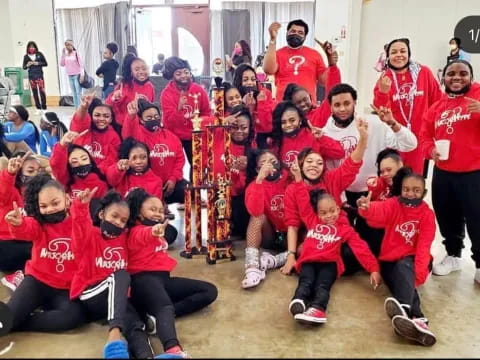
405	259
102	140
388	163
455	121
317	115
292	133
49	272
154	290
178	103
74	167
320	262
14	253
144	124
408	89
133	170
257	99
135	82
316	176
264	199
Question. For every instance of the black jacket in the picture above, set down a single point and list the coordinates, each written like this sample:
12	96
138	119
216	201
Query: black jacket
109	71
35	71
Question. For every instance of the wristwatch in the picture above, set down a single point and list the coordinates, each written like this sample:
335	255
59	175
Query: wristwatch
291	253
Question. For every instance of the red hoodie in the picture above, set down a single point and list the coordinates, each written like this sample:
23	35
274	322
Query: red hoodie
180	122
318	116
147	252
291	146
124	181
333	181
166	152
323	242
428	91
102	145
263	112
8	194
53	261
449	119
381	191
129	91
268	198
408	231
95	256
58	163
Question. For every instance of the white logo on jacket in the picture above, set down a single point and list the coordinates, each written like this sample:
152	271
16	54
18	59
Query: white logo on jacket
408	230
349	144
277	205
325	234
290	157
451	116
59	250
95	149
404	92
111	259
187	112
163	247
161	151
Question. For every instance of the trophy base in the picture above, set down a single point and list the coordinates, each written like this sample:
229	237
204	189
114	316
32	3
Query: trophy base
194	251
219	250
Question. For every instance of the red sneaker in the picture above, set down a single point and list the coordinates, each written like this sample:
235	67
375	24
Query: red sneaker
13	280
414	329
312	316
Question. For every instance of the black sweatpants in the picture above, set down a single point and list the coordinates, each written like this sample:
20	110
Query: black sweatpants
399	276
14	254
373	237
178	194
108	299
314	283
456	201
187	146
165	298
240	216
59	313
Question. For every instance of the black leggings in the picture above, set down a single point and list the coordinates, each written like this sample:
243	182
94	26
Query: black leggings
60	314
240	216
14	254
166	297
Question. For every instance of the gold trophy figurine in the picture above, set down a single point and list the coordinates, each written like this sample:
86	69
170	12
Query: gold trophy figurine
196	120
221	203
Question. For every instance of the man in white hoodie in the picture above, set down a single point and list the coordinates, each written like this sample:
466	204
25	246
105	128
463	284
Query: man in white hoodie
384	132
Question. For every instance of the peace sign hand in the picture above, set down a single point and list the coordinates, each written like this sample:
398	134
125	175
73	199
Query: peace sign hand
87	195
14	217
316	131
123	165
363	202
295	171
16	163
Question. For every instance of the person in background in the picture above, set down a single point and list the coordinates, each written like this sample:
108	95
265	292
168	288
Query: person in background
131	49
52	130
108	69
456	51
160	65
18	128
5	83
241	54
34	61
74	67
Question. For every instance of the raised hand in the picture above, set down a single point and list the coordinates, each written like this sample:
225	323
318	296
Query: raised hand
87	195
363	202
249	100
262	96
14	217
16	163
473	106
158	230
240	163
132	108
273	30
71	136
295	171
231	120
265	170
316	131
362	126
123	165
87	100
385	84
385	114
118	94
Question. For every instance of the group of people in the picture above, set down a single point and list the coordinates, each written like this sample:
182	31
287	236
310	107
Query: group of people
324	190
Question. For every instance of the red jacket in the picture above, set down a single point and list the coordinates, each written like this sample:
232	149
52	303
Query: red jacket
180	122
408	231
147	252
8	194
129	91
268	198
102	145
449	119
124	182
318	116
325	146
428	92
53	261
95	256
166	152
58	163
380	189
323	242
333	181
263	112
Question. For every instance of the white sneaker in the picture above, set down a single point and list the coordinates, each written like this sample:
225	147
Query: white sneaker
38	112
447	265
477	276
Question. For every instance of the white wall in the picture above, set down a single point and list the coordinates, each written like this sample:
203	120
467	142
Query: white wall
24	20
429	24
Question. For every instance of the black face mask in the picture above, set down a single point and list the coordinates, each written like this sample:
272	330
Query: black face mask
141	82
314	181
109	230
24	179
149	222
244	90
293	133
152	125
54	218
82	171
343	123
410	202
276	174
295	41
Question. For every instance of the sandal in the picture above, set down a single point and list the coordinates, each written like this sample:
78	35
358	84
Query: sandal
117	349
252	278
267	261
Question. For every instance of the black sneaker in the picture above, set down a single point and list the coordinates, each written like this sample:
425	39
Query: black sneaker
414	329
297	306
393	308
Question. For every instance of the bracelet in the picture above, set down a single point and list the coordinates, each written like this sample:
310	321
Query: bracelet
291	253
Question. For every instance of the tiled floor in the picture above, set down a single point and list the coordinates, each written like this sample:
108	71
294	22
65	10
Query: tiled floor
256	323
